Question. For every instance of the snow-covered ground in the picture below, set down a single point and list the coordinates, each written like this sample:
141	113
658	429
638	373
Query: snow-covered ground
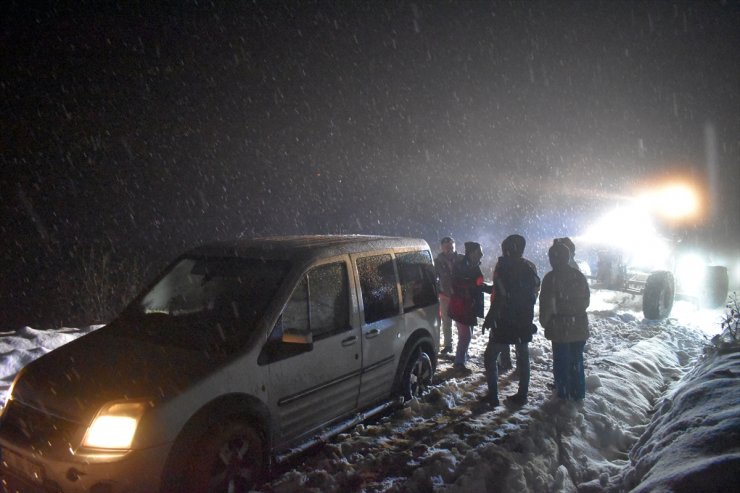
447	442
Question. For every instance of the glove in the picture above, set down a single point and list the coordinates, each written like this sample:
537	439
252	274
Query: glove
488	322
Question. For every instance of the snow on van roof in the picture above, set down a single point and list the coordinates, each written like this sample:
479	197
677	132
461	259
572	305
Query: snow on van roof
289	246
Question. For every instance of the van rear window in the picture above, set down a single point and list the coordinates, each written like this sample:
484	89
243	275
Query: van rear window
418	279
378	284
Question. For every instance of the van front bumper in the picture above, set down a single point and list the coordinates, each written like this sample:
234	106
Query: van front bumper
139	471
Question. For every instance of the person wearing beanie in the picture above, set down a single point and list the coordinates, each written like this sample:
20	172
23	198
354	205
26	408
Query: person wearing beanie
563	301
510	317
466	304
443	264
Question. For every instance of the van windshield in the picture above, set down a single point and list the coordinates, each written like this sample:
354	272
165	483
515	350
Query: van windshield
205	303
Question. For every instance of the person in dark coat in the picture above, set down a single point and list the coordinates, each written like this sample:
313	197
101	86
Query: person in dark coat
563	301
515	288
466	304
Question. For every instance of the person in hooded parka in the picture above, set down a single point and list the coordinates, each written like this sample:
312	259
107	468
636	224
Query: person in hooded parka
564	297
510	317
571	248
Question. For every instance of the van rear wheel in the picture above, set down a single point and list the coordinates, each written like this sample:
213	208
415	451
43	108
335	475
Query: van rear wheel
417	375
229	458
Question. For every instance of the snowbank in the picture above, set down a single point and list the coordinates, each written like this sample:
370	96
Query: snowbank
693	441
20	347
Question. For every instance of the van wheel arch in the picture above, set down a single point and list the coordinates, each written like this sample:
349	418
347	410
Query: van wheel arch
420	340
233	408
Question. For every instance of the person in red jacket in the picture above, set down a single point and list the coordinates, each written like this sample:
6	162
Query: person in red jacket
466	304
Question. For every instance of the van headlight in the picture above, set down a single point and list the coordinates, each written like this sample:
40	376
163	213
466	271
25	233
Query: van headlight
114	426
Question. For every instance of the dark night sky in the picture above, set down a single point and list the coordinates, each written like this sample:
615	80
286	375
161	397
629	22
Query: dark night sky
144	130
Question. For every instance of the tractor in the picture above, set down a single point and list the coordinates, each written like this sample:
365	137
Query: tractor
627	252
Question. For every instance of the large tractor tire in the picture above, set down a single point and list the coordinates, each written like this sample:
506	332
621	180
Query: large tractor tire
657	299
716	286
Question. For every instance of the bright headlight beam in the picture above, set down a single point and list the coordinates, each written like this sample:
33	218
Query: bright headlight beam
621	227
114	427
690	272
630	230
111	432
677	201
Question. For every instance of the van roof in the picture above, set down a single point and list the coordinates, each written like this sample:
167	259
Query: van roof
295	247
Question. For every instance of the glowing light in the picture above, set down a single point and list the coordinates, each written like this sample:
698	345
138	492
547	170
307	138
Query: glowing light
114	426
690	272
111	432
620	227
675	201
630	229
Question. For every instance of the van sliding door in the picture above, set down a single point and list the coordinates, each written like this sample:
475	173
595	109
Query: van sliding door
382	326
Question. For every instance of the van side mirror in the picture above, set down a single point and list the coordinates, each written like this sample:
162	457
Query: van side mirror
297	336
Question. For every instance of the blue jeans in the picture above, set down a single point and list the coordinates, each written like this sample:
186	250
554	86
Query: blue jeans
567	368
522	366
464	334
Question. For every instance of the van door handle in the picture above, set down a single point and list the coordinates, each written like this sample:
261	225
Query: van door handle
372	333
349	341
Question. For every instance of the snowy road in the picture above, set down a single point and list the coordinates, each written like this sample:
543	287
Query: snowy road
449	442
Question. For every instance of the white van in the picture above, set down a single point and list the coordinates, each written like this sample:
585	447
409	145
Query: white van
237	356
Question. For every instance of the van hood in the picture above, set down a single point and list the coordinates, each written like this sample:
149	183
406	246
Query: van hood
75	380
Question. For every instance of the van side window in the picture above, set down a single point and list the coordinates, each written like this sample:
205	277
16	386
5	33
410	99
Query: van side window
295	314
418	286
328	288
320	302
378	283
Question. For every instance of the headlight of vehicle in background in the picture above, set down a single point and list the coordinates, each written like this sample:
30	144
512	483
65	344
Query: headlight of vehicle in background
630	230
677	201
691	273
114	426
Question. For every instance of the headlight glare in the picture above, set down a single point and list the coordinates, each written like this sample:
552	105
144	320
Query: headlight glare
114	427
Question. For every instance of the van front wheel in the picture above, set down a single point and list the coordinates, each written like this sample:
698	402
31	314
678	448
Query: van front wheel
417	375
229	458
